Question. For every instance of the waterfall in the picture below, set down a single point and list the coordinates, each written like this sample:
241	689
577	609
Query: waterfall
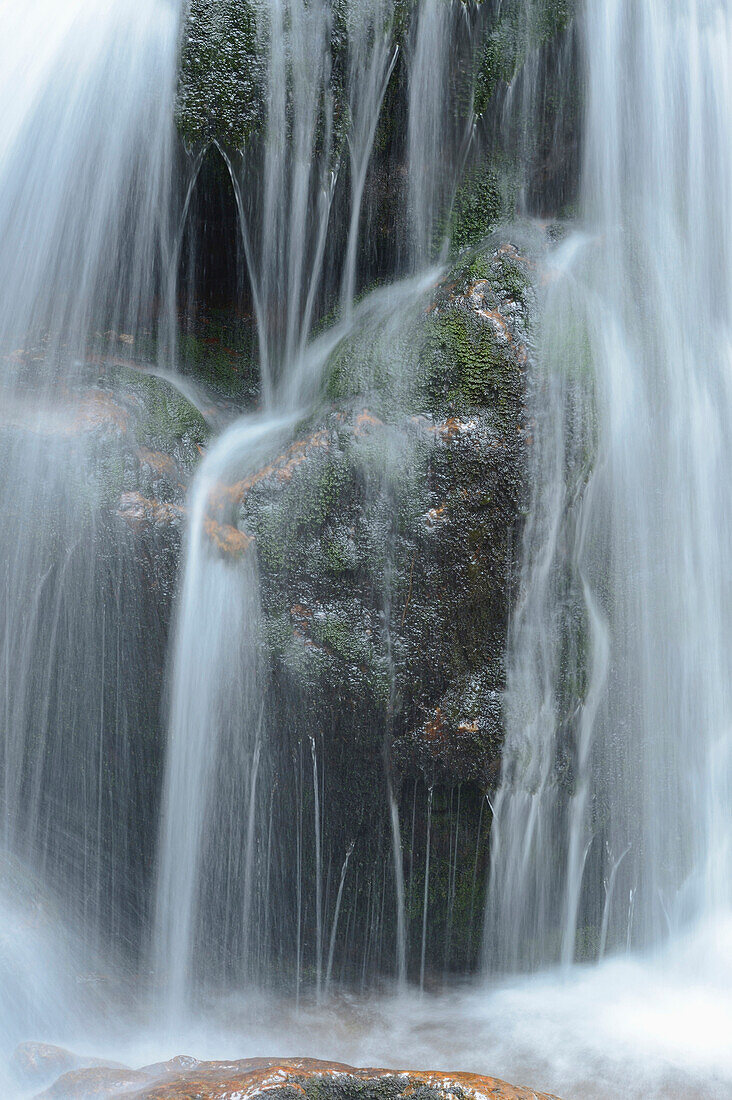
612	826
215	809
311	161
315	756
428	128
86	152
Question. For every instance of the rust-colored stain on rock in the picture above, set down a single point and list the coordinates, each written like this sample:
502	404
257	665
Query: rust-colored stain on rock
99	410
186	1079
281	469
161	464
435	728
365	421
138	510
228	539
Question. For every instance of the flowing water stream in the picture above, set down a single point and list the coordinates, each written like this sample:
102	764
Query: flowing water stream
222	727
608	926
86	154
614	814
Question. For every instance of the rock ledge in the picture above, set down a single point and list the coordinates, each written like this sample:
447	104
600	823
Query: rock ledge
280	1079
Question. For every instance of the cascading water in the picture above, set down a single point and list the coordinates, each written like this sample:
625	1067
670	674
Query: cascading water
223	916
428	127
611	829
223	877
86	147
218	731
612	825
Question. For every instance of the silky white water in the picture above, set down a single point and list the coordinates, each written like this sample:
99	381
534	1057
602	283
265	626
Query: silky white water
650	1029
86	142
220	913
216	873
613	825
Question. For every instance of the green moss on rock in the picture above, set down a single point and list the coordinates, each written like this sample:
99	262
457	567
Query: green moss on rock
165	419
221	88
479	205
498	62
521	27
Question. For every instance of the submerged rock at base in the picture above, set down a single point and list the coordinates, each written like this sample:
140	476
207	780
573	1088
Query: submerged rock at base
280	1079
33	1064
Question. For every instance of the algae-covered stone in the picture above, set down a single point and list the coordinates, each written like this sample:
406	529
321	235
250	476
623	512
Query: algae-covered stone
279	1079
480	203
166	418
384	538
477	336
221	90
521	27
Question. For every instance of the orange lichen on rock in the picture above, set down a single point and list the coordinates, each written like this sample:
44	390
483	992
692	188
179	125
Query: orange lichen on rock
183	1079
498	321
301	618
281	469
436	516
513	253
161	464
365	421
452	428
228	539
137	510
98	409
435	728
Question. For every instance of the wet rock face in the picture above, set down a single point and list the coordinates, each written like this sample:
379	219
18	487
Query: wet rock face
384	537
36	1063
287	1079
221	90
455	624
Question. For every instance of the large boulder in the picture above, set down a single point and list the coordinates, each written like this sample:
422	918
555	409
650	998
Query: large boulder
278	1079
385	536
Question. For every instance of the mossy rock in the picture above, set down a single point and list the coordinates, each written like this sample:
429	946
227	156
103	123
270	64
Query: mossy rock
521	28
221	84
166	420
479	206
220	352
404	498
476	337
383	536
